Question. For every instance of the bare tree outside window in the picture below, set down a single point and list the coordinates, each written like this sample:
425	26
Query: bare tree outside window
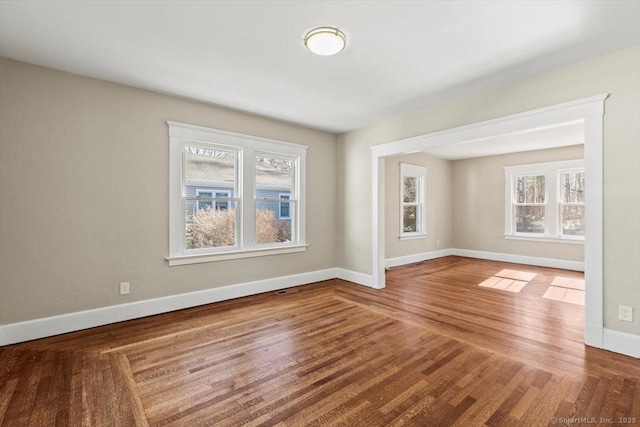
530	204
572	207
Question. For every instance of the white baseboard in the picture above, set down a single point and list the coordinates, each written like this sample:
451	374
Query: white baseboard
622	342
55	325
355	277
494	256
521	259
413	258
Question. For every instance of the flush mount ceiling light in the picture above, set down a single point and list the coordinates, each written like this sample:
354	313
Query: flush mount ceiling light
325	41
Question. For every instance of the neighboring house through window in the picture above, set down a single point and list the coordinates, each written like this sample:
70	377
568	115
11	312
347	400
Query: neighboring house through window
216	178
284	210
412	201
208	197
545	201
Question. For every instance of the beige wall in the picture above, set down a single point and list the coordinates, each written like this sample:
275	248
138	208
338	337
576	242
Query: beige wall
84	194
439	206
617	73
478	205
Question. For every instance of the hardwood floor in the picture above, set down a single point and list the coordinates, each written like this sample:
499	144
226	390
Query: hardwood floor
433	348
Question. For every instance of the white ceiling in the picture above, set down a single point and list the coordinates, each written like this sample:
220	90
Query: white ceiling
249	55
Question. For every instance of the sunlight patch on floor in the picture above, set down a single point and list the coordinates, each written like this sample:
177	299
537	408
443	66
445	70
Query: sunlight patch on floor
509	280
568	282
524	276
566	289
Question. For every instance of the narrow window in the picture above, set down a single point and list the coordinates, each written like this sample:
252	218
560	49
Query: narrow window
412	201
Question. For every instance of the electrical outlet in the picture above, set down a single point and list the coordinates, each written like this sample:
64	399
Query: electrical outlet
124	288
625	313
438	242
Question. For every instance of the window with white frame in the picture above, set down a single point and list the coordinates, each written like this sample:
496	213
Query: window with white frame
545	201
226	195
412	201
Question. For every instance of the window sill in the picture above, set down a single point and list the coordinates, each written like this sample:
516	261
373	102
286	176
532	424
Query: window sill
416	236
546	239
224	256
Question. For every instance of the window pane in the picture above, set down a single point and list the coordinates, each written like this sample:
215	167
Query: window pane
202	164
530	219
539	195
269	227
204	204
534	188
410	188
530	189
572	185
207	227
573	220
222	205
274	174
521	186
410	214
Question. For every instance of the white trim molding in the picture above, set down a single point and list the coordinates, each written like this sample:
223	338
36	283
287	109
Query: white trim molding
70	322
492	256
590	112
248	253
419	257
355	277
621	342
521	259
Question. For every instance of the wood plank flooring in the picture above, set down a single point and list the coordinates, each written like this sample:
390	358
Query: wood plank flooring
431	349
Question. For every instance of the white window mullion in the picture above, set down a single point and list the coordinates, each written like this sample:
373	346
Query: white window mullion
551	211
300	208
248	210
176	194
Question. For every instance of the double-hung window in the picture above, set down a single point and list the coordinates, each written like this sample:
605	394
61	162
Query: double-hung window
233	196
413	215
545	201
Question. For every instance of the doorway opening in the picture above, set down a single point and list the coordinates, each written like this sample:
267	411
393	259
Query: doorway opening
587	113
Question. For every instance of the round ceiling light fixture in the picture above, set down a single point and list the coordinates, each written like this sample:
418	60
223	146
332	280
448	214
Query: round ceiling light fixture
325	41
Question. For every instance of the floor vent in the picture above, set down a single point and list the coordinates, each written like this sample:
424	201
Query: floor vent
286	291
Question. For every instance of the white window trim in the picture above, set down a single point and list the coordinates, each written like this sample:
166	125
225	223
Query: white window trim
551	171
280	217
420	172
246	146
